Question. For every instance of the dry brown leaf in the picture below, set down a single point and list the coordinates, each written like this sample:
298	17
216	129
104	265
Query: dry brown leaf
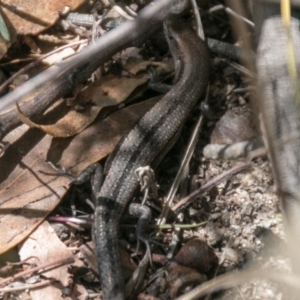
111	90
107	91
44	247
31	16
72	123
27	194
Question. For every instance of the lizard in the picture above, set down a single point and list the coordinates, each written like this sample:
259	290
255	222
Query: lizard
142	145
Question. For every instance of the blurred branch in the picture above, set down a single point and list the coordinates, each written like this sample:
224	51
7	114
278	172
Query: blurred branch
61	79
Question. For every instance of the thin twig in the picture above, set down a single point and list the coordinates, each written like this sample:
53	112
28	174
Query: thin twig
240	167
200	31
28	286
232	13
185	161
59	262
120	10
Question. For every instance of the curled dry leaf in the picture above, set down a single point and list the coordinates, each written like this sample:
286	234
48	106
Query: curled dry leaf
27	192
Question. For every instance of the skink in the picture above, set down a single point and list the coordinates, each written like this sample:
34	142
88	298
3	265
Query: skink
142	144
